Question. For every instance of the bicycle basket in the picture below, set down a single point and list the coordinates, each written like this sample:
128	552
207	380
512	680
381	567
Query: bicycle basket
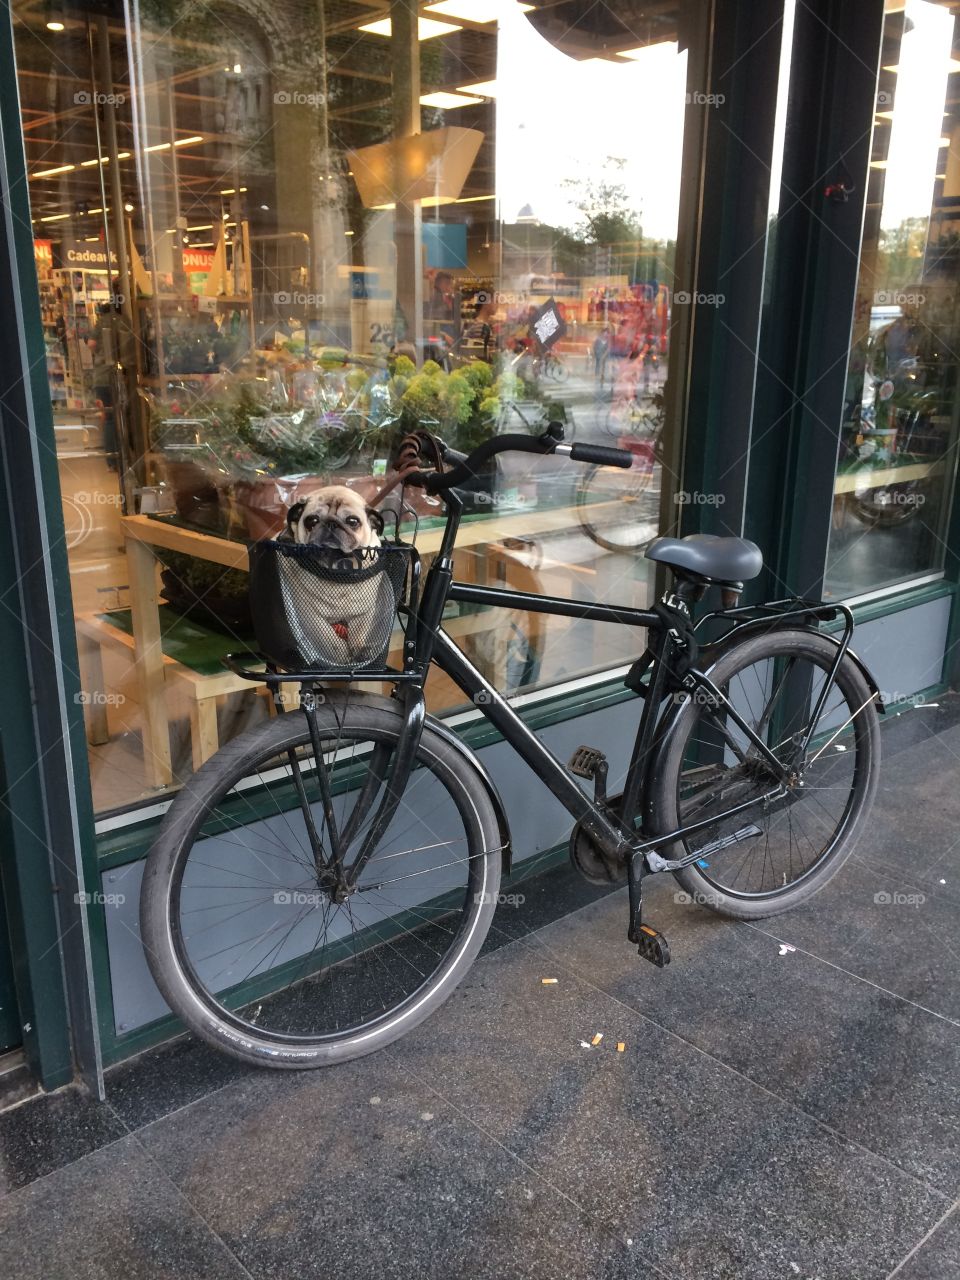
315	608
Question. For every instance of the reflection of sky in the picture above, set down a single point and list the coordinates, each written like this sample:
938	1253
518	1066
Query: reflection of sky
558	118
915	156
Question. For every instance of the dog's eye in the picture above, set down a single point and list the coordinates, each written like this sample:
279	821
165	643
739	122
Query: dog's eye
311	522
352	521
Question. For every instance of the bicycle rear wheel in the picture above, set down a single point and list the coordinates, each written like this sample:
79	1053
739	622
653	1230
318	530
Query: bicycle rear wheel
249	941
777	853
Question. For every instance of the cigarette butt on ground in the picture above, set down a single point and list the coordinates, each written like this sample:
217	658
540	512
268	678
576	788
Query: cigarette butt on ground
620	1046
549	982
597	1038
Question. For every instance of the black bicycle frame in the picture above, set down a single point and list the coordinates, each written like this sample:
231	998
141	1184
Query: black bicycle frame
426	642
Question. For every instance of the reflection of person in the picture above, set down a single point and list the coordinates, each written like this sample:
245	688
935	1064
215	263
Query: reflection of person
601	349
440	305
480	330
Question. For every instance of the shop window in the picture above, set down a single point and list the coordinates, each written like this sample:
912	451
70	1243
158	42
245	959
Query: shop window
897	460
272	238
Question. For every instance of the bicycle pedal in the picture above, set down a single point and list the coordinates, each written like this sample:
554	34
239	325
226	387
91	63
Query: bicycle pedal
586	762
653	946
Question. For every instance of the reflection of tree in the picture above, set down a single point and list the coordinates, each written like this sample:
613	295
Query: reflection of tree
608	237
900	254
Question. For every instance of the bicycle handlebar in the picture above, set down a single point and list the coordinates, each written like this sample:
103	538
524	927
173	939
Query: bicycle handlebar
466	468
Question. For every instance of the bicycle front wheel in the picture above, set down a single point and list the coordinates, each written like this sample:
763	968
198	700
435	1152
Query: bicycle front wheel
777	853
250	941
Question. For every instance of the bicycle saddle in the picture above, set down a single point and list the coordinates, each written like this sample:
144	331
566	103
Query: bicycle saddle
708	556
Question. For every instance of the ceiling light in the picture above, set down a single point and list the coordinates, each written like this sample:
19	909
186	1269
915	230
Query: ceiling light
50	173
55	217
486	88
475	10
427	28
349	233
447	101
473	199
878	164
186	142
265	208
231	191
634	54
207	226
55	26
953	66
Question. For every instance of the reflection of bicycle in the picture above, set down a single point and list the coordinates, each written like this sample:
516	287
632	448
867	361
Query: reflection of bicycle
550	367
620	510
325	881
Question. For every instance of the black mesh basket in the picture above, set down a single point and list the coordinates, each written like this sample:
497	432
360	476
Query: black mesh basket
319	609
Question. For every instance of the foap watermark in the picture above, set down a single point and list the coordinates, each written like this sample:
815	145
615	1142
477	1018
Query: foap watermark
686	498
98	499
897	899
98	698
298	98
894	701
294	298
884	100
702	898
683	298
501	899
300	898
898	298
85	98
699	99
99	899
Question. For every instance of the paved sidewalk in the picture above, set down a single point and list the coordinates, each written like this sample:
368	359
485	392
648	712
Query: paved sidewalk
786	1105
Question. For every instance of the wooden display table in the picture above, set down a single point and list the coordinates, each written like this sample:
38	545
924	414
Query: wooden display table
142	534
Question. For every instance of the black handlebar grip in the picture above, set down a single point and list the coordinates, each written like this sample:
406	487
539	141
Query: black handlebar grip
602	454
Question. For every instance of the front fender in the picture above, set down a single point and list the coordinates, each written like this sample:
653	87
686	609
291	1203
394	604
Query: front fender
450	737
445	732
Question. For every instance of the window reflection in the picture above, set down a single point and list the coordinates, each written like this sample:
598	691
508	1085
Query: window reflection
897	457
270	240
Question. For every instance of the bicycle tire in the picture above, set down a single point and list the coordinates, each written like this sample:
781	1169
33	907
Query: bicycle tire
857	755
613	533
234	1030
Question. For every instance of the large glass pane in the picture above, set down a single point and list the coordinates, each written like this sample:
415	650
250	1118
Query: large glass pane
272	238
897	459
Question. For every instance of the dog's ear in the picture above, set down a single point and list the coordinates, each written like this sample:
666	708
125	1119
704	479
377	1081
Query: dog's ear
294	514
376	520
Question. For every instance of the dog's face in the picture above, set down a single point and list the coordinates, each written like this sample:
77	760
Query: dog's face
335	517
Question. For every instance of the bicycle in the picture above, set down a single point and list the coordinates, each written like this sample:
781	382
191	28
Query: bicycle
620	512
324	881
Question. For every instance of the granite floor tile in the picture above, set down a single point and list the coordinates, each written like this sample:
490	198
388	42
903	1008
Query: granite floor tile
937	1258
168	1078
709	1174
874	1067
50	1131
109	1216
362	1171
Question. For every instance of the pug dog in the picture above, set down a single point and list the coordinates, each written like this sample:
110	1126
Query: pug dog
340	621
335	517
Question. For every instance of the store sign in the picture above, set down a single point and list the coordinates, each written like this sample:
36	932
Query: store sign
43	253
198	259
81	253
548	324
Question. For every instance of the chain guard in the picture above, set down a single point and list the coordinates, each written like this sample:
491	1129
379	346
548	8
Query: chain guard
591	862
